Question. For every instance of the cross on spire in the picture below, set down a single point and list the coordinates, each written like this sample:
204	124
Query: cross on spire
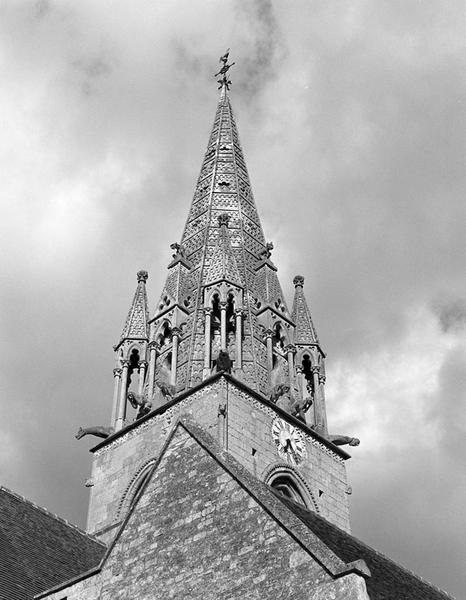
224	81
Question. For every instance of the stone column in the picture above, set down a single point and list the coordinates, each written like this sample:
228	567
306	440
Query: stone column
116	390
207	344
223	325
239	338
175	338
268	339
121	415
290	352
322	403
317	406
142	372
300	378
151	374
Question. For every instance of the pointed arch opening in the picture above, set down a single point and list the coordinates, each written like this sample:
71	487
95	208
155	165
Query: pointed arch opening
306	364
278	338
290	484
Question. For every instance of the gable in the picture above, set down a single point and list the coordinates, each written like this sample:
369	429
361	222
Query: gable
196	528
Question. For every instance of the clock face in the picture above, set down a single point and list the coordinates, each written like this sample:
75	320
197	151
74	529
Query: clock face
289	441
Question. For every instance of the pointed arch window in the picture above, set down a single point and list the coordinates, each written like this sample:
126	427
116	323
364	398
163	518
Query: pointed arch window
287	482
285	486
307	372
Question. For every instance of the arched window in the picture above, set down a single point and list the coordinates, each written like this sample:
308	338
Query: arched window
285	486
290	484
216	317
132	491
230	316
278	338
307	371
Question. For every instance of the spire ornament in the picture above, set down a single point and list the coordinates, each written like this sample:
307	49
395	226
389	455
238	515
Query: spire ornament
224	81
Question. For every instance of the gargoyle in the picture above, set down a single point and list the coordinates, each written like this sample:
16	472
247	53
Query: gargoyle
224	362
342	440
97	430
300	407
138	401
180	252
267	252
278	390
168	390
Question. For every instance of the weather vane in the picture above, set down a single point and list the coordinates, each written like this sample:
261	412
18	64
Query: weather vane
224	81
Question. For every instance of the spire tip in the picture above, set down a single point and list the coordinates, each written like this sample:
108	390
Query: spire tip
298	280
224	82
142	276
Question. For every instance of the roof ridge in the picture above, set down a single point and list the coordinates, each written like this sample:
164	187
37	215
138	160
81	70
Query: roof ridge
49	513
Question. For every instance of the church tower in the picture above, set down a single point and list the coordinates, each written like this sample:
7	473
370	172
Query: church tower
223	349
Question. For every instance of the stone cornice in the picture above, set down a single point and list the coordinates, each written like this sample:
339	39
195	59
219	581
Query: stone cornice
241	386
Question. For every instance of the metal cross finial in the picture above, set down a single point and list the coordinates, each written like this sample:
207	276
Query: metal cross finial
224	81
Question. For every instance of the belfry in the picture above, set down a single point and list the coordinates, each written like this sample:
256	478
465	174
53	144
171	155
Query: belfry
216	476
222	294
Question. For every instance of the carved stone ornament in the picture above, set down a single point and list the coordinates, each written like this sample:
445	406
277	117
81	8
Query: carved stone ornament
142	276
343	440
298	280
97	430
267	251
223	219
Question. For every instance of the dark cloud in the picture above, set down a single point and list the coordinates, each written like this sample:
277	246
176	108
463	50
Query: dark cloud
352	122
42	8
92	70
265	48
451	314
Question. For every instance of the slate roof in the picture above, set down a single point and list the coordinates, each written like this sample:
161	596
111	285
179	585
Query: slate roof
388	580
38	549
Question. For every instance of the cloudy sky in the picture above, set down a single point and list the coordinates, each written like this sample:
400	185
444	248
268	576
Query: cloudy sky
352	120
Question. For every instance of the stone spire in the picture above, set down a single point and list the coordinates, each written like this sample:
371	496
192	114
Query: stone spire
222	294
223	190
310	358
305	332
131	352
136	324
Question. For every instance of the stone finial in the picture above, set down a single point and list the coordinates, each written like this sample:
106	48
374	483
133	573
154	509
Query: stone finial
142	276
223	219
298	280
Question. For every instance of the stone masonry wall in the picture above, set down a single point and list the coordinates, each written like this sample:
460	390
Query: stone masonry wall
247	426
196	533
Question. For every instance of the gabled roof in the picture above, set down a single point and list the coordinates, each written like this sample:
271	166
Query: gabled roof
38	549
135	326
388	580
